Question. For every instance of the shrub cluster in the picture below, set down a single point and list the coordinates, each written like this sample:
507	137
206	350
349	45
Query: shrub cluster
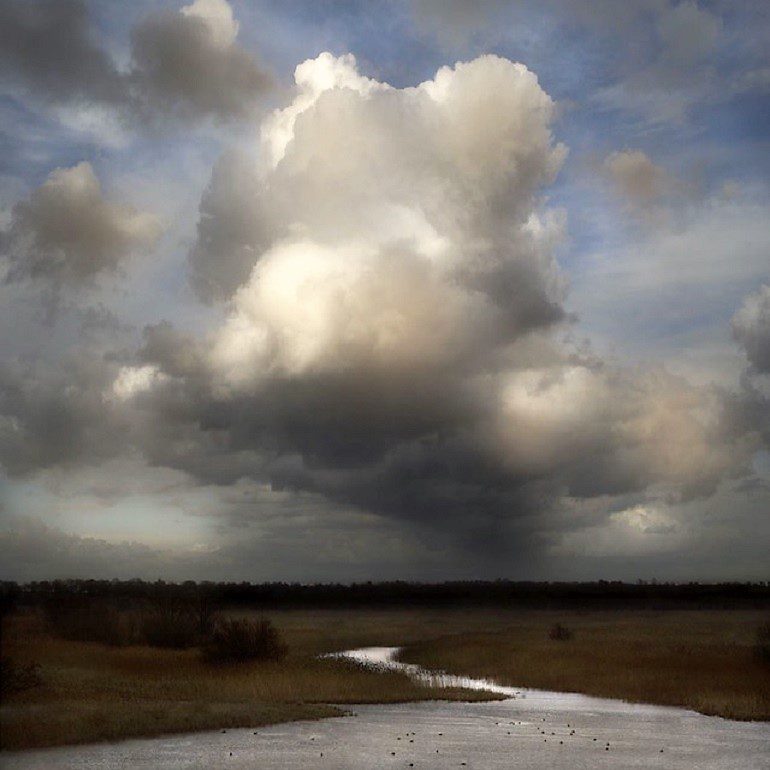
240	640
170	623
168	627
560	633
178	622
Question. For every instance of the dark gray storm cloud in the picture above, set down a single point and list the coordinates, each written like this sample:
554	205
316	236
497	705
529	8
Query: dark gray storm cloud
55	415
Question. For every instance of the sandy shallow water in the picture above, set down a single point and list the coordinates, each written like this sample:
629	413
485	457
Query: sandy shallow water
530	729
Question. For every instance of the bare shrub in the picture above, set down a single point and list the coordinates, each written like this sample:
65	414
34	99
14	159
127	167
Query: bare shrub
204	611
17	678
172	627
560	633
239	640
178	621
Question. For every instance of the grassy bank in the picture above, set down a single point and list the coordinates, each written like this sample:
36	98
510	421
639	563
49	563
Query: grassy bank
705	661
93	692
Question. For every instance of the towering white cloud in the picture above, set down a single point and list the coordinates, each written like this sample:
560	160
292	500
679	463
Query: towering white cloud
398	224
393	293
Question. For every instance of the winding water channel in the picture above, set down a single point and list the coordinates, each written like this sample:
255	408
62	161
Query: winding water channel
529	729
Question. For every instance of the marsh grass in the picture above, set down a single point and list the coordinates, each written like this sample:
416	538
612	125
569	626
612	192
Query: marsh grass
95	692
705	661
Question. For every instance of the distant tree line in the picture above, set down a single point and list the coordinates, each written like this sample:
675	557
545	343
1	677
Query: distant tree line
600	594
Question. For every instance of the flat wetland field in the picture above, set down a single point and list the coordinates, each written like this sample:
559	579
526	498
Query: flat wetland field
703	660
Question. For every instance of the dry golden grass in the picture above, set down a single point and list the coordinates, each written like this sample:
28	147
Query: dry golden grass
699	660
92	692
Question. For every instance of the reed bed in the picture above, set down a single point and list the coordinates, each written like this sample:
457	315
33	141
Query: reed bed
706	661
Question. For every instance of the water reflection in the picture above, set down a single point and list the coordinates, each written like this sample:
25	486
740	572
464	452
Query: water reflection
384	658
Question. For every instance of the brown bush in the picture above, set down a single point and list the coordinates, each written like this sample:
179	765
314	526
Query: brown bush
177	622
560	633
174	623
175	629
239	640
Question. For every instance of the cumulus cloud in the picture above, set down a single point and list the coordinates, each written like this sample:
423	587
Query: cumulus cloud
392	297
639	179
751	328
185	64
189	63
231	233
385	261
49	48
170	350
68	234
341	167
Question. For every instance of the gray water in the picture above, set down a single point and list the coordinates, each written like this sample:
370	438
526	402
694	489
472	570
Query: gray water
530	729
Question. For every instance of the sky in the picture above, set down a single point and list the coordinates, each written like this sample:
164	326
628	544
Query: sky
397	289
